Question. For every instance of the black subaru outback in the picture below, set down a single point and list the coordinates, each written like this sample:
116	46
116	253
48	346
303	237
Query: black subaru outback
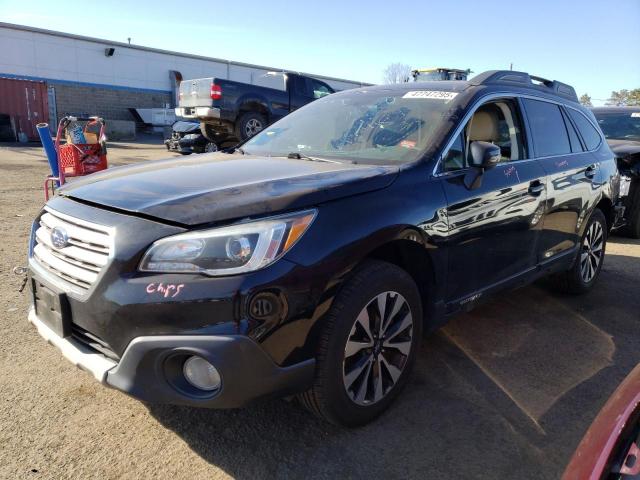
310	260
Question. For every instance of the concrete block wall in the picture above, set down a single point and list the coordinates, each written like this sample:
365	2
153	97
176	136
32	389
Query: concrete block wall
108	103
120	130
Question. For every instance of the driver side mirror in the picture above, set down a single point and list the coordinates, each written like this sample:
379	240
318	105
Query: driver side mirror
484	154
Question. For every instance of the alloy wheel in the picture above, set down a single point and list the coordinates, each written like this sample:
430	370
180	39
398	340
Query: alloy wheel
252	127
592	251
378	348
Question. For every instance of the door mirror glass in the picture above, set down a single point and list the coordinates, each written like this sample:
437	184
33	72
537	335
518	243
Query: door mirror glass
485	154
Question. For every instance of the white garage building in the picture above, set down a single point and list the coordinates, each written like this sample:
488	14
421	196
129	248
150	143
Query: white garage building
92	76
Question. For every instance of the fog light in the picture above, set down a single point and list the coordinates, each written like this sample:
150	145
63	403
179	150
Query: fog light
201	374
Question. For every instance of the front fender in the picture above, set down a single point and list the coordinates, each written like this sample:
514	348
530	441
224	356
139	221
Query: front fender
348	231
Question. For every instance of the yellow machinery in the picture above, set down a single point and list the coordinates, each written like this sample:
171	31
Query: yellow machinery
439	73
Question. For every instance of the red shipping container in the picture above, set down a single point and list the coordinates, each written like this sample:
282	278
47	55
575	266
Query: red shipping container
25	101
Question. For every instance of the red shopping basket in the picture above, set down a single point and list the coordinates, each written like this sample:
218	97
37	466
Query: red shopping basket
76	160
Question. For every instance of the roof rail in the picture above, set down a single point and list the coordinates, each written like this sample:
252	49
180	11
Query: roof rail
509	77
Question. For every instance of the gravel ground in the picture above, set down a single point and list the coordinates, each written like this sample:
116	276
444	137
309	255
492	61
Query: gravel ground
504	392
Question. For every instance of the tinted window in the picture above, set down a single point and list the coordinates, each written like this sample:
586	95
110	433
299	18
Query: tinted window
576	146
589	133
547	128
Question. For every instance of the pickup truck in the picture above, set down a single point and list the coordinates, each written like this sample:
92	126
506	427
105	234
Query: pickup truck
230	111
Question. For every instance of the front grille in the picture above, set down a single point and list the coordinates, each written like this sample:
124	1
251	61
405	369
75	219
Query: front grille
82	259
92	341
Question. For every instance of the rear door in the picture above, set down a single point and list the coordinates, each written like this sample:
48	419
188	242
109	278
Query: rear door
570	171
298	92
493	227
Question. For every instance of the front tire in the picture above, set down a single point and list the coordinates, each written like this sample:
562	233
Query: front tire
367	347
585	271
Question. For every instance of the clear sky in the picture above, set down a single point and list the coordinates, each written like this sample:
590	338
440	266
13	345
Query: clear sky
592	44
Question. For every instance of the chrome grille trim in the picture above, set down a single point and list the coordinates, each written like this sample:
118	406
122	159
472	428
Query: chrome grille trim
79	263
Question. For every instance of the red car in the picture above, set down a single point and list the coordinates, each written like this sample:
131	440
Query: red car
611	447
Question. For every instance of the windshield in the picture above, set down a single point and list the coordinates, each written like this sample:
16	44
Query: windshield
378	127
620	126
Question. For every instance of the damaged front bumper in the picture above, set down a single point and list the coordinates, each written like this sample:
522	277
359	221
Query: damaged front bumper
150	368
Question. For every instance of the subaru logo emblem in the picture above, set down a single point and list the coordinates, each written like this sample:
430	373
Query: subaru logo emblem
59	237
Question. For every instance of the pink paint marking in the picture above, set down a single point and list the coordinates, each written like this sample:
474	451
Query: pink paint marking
169	290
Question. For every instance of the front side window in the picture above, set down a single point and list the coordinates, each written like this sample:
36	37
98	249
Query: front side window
547	128
589	133
378	126
496	122
455	160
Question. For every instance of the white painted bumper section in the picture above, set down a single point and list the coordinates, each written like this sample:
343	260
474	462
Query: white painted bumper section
198	112
78	354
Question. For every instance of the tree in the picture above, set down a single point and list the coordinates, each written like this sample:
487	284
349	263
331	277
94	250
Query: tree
586	100
397	73
625	97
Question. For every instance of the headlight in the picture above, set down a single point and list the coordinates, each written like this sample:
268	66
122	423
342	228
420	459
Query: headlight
228	250
191	136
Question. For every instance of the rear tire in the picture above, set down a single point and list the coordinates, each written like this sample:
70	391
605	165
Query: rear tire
364	358
249	124
585	271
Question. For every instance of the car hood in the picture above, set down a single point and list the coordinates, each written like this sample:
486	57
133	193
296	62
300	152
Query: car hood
185	127
215	187
613	142
628	152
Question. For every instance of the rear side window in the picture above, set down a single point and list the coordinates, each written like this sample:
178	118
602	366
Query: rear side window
576	146
589	133
547	128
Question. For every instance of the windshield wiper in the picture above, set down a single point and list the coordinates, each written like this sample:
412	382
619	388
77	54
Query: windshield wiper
302	156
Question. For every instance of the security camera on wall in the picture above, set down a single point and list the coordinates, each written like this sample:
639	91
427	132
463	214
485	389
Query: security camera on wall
108	52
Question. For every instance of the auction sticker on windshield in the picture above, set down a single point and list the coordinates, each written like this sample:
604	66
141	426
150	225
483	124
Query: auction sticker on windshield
431	94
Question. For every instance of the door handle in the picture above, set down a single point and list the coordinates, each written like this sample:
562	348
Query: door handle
536	187
590	172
